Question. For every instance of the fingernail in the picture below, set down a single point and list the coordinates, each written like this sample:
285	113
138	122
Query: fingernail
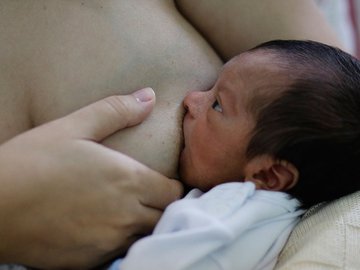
144	95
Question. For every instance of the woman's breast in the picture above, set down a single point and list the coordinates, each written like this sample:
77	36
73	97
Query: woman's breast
81	51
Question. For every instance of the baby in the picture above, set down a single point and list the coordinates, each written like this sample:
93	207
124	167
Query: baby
282	117
285	116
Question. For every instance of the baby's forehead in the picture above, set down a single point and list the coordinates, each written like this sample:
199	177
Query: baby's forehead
259	68
259	60
263	75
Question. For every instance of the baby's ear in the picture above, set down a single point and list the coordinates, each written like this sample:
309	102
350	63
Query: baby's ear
270	174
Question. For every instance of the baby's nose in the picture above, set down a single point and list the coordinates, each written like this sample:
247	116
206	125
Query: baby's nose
194	101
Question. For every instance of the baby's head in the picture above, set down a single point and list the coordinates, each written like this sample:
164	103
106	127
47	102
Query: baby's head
284	115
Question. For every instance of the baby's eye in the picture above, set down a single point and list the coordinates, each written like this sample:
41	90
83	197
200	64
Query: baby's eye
216	106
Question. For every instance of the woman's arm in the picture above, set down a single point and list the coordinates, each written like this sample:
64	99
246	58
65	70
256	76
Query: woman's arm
241	24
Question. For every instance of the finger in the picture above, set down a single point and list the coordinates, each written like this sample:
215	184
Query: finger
159	191
101	119
148	219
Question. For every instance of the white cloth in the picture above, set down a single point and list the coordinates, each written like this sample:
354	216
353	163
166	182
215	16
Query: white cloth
232	226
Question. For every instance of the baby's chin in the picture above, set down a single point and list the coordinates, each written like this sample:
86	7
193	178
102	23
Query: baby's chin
192	176
202	180
192	180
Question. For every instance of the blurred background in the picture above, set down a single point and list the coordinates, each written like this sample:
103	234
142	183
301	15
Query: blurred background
344	16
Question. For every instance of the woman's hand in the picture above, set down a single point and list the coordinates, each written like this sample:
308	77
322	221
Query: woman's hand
66	201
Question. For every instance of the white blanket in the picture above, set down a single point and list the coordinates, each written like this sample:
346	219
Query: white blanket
233	226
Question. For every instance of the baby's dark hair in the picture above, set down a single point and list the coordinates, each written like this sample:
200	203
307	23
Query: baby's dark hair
315	122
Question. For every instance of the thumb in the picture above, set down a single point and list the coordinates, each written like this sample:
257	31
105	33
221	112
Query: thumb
102	118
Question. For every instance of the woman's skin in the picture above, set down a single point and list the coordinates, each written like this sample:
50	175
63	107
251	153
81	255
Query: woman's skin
243	24
58	56
67	54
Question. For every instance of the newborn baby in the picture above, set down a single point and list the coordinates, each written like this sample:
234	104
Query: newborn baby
276	119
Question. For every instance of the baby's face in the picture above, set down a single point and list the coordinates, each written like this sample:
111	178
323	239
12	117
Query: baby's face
217	125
